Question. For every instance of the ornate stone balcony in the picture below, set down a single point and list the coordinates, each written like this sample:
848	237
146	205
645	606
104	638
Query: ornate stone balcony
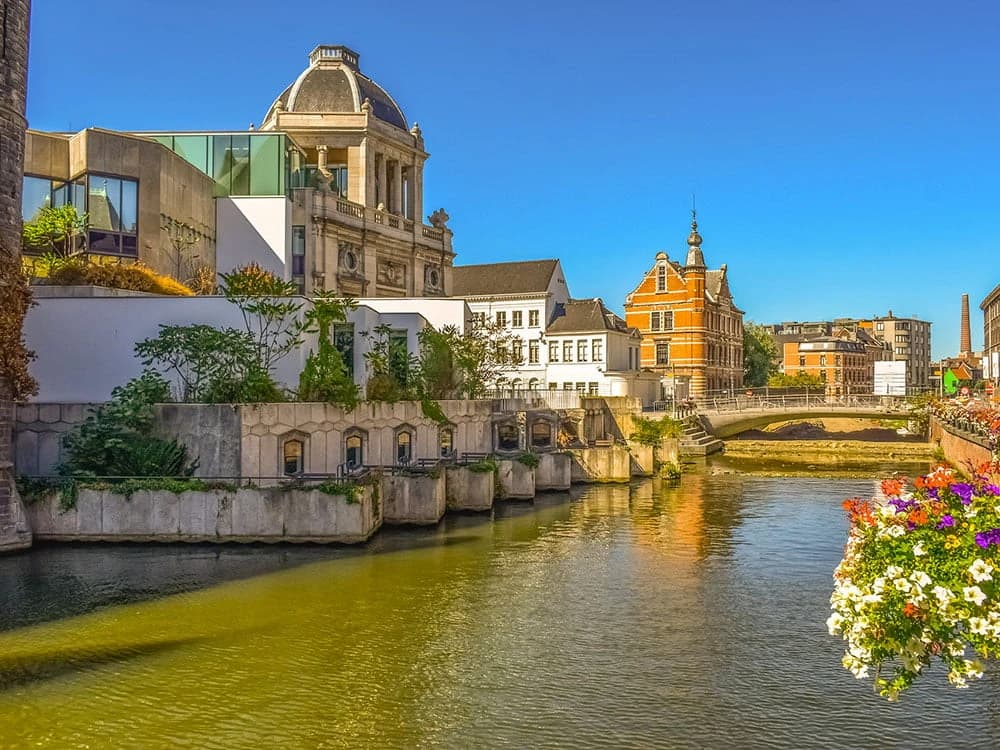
330	207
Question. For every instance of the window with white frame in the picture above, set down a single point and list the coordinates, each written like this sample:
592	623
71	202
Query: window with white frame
661	277
533	318
581	350
553	351
597	350
517	319
501	317
567	351
663	352
533	352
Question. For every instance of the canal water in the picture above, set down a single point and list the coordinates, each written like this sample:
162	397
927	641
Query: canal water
658	616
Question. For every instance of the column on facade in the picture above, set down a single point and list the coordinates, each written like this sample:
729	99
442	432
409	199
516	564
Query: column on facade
362	174
383	182
417	188
408	191
397	188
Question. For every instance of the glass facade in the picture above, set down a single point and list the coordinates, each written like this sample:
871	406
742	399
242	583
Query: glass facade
240	163
41	192
113	211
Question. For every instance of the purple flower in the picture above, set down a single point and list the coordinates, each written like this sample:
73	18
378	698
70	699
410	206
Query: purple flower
985	539
946	522
932	493
991	489
963	491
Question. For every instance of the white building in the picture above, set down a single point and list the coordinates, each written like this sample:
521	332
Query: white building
564	344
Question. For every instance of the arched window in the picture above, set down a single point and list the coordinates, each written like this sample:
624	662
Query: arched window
404	447
446	440
507	436
541	434
291	455
354	456
533	384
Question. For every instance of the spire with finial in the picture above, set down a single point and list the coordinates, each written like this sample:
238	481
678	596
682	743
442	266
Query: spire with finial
695	258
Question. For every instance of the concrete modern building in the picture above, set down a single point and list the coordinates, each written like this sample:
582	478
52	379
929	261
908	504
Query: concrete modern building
692	330
142	201
328	192
910	342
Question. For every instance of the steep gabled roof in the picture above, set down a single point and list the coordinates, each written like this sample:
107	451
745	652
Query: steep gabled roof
587	315
519	277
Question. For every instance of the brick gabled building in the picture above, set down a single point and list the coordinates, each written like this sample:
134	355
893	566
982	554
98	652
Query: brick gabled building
692	330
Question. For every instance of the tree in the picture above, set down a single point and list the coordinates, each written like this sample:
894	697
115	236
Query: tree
325	377
759	355
469	365
270	314
15	300
55	229
799	380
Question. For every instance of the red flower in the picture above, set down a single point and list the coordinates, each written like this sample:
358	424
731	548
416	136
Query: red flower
893	487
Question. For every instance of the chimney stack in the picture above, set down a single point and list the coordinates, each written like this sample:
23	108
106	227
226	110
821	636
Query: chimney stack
966	336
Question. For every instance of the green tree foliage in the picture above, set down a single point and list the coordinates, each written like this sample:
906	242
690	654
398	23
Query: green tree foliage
652	432
760	355
325	377
393	373
55	229
270	311
799	380
115	439
469	365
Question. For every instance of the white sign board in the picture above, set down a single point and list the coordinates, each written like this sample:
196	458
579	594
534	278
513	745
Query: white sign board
995	364
890	378
986	368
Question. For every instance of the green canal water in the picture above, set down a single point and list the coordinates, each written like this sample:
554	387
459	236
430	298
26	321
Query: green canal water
652	616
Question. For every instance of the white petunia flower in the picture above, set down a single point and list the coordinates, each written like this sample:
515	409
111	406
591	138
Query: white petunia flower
974	594
978	625
981	571
918	549
902	584
920	578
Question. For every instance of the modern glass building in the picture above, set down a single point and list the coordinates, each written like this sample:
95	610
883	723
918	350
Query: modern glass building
242	163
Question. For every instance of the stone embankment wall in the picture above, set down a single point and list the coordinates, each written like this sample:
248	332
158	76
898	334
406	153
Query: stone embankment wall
466	489
38	434
554	472
961	449
418	500
516	479
244	515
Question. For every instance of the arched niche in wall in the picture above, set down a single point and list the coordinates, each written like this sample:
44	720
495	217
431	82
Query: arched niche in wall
446	441
292	451
355	449
404	437
506	435
542	432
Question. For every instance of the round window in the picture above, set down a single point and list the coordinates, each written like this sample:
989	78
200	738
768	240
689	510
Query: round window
433	277
350	260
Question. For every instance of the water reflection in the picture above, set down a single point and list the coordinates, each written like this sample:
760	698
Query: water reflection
662	615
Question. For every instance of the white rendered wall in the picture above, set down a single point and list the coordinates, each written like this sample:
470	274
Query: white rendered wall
254	230
86	345
439	312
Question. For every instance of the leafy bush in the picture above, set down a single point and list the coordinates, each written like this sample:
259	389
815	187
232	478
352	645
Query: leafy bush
529	459
115	439
135	277
325	376
651	432
918	580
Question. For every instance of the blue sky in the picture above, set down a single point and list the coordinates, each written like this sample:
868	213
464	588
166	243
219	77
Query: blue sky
844	153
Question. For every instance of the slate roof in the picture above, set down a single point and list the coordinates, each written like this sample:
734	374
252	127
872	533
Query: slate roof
519	277
586	315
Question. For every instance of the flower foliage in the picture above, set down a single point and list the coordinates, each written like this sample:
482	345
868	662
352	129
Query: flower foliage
972	416
917	580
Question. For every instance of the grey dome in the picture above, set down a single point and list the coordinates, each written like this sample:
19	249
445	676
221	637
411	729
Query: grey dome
332	84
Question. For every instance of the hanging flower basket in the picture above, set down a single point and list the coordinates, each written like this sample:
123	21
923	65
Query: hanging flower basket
918	581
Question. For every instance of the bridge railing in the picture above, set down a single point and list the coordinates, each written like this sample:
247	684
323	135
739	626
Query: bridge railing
887	404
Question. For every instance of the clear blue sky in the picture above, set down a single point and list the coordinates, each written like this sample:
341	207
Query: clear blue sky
844	153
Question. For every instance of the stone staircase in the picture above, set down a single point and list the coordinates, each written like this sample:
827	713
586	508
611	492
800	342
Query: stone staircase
696	442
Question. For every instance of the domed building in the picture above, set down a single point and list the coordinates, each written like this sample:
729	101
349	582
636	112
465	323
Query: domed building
357	185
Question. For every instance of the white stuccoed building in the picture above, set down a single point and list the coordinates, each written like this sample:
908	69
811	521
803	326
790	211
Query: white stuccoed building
565	344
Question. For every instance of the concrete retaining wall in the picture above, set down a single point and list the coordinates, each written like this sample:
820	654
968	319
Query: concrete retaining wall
420	499
613	464
469	490
245	515
517	480
554	472
38	434
960	448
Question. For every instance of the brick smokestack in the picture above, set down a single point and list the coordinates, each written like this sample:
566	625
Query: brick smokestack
966	346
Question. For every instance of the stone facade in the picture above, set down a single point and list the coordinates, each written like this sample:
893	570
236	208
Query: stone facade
692	331
15	16
359	193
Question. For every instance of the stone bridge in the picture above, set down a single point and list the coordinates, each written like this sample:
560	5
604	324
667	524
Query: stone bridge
725	422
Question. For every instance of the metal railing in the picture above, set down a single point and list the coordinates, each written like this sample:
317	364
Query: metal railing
888	404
